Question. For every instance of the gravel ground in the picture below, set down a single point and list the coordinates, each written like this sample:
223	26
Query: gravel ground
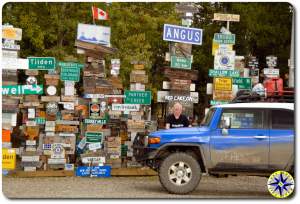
131	187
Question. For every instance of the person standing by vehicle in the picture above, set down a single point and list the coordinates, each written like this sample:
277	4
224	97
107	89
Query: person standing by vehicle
177	119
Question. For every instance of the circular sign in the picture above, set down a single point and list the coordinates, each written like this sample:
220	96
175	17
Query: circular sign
51	90
95	108
224	60
281	184
52	108
31	80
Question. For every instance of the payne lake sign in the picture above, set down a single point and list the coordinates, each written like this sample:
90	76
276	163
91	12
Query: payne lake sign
182	34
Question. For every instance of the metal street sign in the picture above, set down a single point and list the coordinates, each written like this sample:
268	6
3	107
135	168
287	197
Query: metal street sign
222	84
92	137
41	63
224	60
182	34
14	63
226	17
70	64
214	102
224	38
138	97
22	89
223	73
95	121
125	107
70	71
243	83
181	62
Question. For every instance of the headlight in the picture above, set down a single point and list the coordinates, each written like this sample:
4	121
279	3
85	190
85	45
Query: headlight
153	140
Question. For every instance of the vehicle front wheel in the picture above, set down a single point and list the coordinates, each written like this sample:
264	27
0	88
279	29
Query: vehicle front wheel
179	173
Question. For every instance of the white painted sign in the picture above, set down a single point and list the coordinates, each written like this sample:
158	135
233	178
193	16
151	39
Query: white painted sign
66	134
10	45
271	72
30	142
9	54
30	158
11	33
14	63
167	85
57	161
87	160
93	96
226	17
69	88
31	113
94	34
224	60
50	134
125	107
94	146
57	151
30	123
50	126
82	143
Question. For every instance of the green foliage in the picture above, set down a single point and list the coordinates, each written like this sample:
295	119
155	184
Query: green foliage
49	29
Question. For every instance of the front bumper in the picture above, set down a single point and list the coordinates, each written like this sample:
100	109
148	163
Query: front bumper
141	151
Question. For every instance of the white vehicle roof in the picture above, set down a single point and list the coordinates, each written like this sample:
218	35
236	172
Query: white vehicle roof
289	106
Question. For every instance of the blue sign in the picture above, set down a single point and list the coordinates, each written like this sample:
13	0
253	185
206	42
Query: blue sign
97	171
182	34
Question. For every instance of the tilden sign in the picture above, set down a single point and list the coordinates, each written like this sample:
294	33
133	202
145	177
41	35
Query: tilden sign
182	34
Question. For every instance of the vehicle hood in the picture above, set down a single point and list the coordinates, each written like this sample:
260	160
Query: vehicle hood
186	135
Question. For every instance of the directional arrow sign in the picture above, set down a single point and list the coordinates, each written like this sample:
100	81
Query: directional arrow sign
22	89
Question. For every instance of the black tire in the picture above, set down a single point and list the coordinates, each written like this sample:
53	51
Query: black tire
189	163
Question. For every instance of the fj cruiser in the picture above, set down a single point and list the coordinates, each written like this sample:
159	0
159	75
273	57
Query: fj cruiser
241	138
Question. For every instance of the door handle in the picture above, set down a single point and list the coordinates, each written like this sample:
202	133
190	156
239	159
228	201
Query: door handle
260	136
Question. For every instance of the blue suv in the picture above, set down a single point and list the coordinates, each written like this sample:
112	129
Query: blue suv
241	138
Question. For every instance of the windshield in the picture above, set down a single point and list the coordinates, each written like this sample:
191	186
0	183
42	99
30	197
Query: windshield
208	117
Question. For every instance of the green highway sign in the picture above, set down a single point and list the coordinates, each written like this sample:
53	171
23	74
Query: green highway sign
92	137
138	97
40	121
22	90
70	64
95	121
214	102
70	71
243	83
224	38
41	63
181	62
223	73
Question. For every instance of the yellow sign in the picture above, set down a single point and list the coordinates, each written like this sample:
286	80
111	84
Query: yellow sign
222	95
222	84
11	33
226	17
8	159
216	46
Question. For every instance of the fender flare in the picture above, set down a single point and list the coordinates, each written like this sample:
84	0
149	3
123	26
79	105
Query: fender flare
201	149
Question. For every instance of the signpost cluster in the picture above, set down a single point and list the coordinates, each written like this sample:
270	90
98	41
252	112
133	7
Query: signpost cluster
228	72
180	86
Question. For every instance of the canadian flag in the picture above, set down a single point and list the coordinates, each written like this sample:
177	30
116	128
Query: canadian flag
99	14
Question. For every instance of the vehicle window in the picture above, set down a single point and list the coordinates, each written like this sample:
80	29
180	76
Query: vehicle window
282	119
208	117
243	118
